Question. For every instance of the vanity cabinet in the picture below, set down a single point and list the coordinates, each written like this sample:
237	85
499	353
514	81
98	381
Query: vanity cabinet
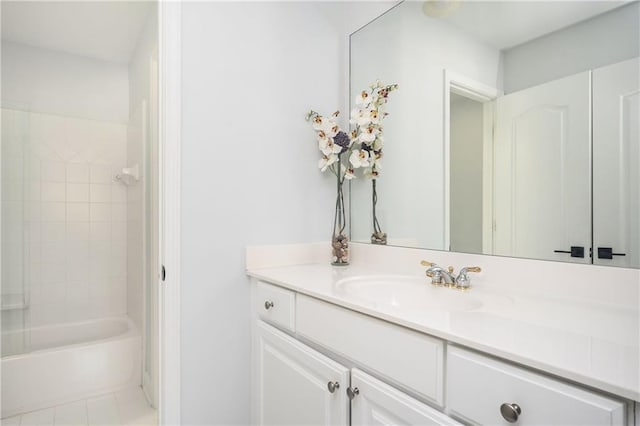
406	375
300	386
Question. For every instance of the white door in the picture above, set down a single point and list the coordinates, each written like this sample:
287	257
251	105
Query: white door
616	159
542	179
377	403
293	383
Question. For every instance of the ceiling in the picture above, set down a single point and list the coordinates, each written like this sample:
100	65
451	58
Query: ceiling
504	24
106	30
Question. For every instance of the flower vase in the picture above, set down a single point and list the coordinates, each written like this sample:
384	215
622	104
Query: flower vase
339	241
378	237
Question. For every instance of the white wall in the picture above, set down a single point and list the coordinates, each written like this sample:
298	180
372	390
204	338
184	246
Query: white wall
52	82
406	47
250	73
603	40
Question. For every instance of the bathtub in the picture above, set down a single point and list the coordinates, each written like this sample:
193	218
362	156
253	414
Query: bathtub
71	361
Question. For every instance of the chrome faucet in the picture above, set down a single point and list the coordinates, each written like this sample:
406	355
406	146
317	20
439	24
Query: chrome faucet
446	277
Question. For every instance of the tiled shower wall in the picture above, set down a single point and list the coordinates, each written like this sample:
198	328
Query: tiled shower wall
78	219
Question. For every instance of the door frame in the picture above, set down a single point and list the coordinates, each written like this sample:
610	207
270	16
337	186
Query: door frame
169	144
472	89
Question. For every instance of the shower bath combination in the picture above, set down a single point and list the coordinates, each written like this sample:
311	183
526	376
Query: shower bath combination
79	203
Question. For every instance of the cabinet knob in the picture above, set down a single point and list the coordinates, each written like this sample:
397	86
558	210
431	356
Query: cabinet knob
268	305
332	386
352	392
510	412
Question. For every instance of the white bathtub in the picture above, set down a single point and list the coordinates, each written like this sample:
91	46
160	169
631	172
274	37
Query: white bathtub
71	361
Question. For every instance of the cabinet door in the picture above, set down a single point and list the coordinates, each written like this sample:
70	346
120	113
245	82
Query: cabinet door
542	174
379	404
616	160
293	383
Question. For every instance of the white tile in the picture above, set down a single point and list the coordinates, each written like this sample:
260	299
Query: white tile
73	414
100	174
53	211
54	273
134	408
118	193
99	231
78	172
100	212
77	270
78	230
35	211
35	191
54	232
103	411
53	171
53	252
118	296
53	191
99	193
77	192
38	418
77	212
118	212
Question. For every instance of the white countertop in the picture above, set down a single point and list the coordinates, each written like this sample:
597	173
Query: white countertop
590	343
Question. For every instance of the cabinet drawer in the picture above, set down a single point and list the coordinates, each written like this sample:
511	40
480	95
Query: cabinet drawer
404	357
477	386
275	305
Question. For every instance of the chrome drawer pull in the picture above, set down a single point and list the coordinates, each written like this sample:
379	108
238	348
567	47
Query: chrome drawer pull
332	386
268	305
510	412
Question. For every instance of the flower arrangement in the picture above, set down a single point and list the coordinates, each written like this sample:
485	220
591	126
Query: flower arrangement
363	147
367	121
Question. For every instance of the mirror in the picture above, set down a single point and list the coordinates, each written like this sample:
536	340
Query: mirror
514	131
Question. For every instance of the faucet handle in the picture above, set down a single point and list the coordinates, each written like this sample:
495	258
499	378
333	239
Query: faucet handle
463	281
426	263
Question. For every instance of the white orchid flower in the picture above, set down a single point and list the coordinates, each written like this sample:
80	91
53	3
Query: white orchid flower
319	122
326	161
359	158
370	173
330	127
374	116
363	99
368	134
359	117
347	173
378	143
377	160
328	147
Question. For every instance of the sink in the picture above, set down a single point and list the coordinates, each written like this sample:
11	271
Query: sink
405	293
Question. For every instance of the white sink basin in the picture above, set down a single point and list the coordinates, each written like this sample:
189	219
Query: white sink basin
406	293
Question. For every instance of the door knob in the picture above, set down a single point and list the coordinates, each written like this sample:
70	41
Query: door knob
510	412
352	392
268	305
332	386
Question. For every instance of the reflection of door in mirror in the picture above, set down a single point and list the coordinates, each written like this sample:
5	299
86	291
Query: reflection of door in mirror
541	172
616	159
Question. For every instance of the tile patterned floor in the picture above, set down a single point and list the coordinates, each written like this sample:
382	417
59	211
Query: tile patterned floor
124	408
